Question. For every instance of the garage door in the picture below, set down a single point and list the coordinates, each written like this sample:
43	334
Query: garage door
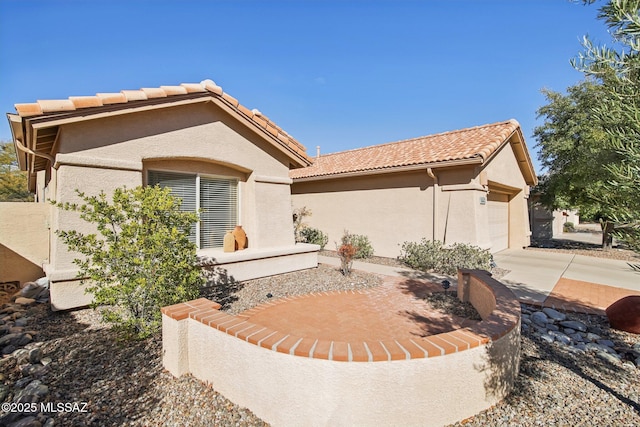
498	221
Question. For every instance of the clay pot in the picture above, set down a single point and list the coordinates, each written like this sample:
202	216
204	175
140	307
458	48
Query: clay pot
240	237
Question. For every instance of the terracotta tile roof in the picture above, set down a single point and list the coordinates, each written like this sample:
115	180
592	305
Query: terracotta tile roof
130	97
476	142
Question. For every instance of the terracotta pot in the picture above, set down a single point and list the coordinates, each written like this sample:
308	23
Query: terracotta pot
229	242
240	237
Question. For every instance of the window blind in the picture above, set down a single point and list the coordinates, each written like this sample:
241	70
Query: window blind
219	203
217	199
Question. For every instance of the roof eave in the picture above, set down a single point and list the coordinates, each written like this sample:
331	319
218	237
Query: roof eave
522	156
60	118
394	169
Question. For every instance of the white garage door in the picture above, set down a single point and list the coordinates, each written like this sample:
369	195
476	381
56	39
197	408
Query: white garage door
498	221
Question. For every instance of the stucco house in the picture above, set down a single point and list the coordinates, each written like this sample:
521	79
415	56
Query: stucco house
238	167
217	155
467	186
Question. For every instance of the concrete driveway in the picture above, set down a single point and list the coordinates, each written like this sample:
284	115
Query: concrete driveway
534	274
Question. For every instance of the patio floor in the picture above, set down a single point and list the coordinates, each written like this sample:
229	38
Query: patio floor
395	310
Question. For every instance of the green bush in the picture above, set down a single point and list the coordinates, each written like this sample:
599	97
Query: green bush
140	260
315	236
461	255
426	255
568	227
433	256
360	242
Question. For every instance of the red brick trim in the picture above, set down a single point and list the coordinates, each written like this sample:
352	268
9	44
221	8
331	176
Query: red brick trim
503	317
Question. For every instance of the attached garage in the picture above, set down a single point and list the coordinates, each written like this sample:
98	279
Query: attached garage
498	212
465	186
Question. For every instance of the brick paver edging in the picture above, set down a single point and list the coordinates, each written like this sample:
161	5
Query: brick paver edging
498	307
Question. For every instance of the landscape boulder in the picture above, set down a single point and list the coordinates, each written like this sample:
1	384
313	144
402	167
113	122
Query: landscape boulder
624	314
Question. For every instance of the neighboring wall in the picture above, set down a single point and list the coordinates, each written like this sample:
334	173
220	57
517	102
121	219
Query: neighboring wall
392	208
24	240
388	208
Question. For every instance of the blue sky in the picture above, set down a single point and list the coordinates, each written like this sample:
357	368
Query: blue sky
339	74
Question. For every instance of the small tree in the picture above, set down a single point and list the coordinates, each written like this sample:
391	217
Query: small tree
346	252
140	260
298	226
13	181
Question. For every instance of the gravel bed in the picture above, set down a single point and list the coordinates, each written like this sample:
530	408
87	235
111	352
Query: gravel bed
125	384
587	249
448	303
391	262
558	387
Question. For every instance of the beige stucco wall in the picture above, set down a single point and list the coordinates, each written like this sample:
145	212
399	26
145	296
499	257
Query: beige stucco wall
393	208
503	171
389	209
111	152
24	240
417	392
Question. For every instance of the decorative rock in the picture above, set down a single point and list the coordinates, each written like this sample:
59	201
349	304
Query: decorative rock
23	382
45	361
607	343
24	339
22	321
34	370
553	314
553	327
611	358
546	337
539	318
637	362
35	355
599	348
574	324
624	314
9	339
593	337
36	387
576	337
21	355
8	349
569	331
24	301
560	337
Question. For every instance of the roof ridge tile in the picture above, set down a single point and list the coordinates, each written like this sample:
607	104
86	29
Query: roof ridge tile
104	98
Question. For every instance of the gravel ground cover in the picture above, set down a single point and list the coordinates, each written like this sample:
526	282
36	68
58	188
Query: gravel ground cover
80	360
582	248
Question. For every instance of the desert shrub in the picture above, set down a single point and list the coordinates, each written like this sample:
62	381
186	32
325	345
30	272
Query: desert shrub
139	260
315	236
360	242
568	227
346	252
433	256
461	255
426	255
298	224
